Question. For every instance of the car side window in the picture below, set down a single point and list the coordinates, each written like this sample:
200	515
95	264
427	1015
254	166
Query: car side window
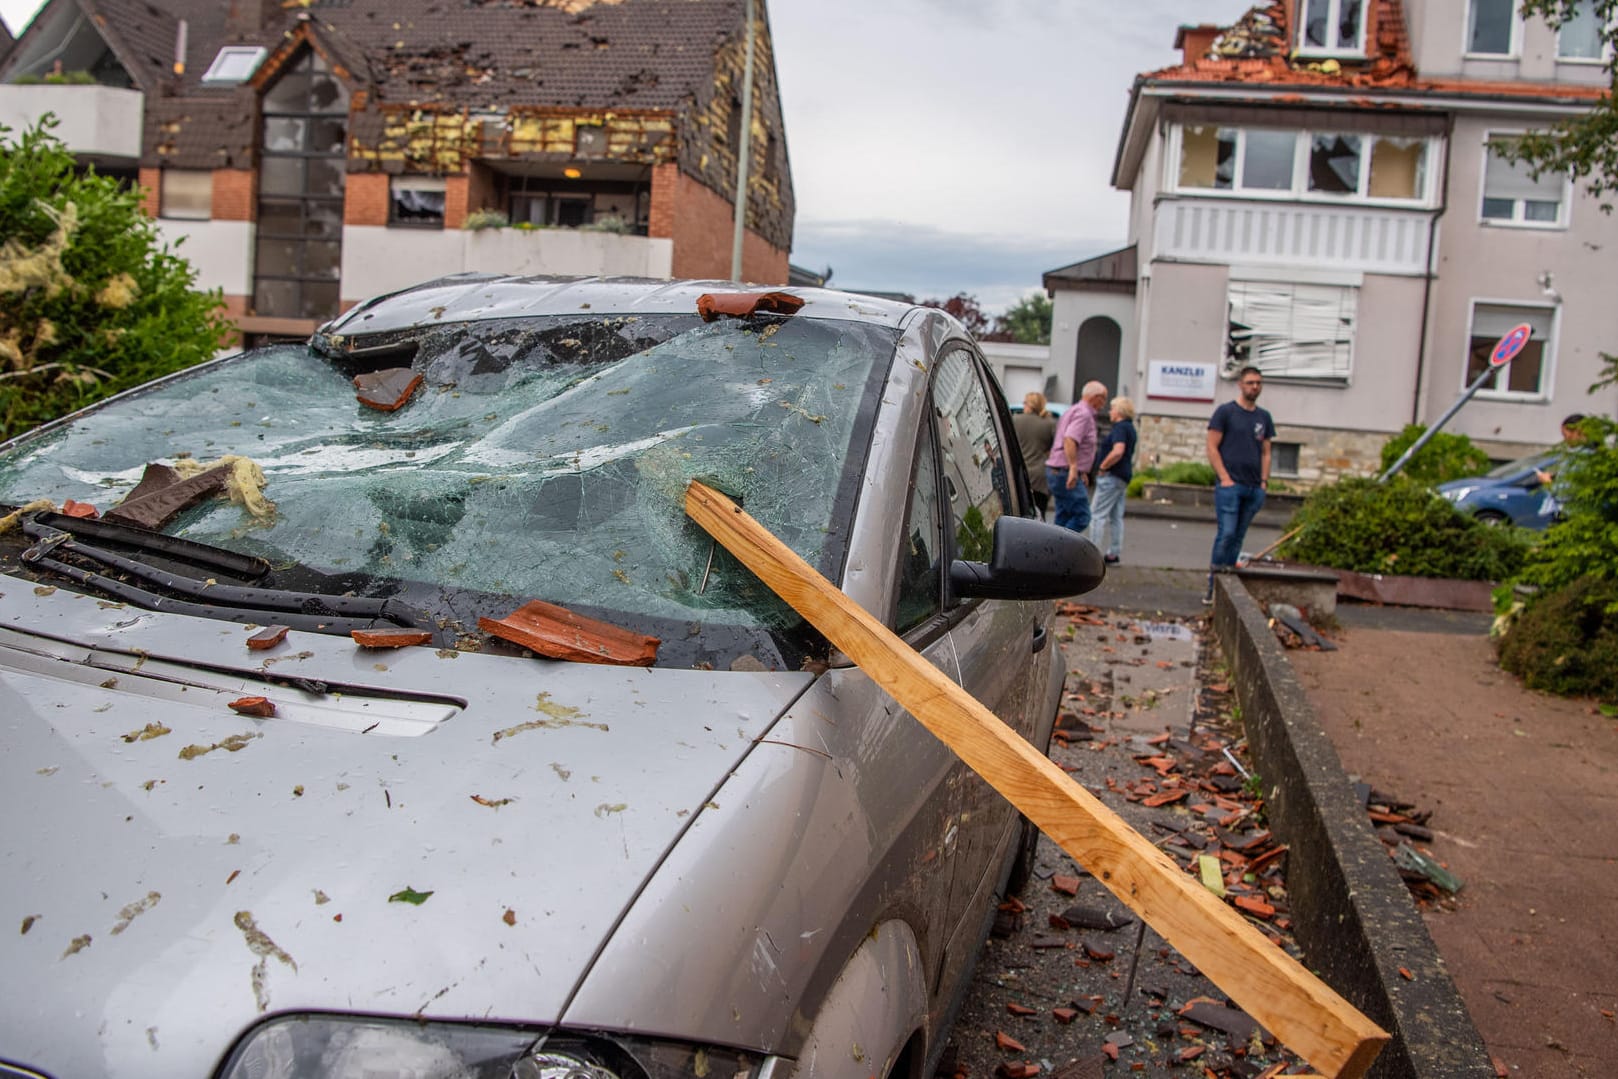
977	479
922	545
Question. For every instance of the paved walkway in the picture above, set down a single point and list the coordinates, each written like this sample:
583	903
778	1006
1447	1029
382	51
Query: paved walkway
1523	789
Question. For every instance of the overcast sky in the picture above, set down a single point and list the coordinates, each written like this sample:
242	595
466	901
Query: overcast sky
942	146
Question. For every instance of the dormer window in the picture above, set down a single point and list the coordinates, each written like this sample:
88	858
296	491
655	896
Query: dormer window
1332	27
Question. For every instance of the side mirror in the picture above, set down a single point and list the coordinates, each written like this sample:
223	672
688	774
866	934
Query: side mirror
1031	560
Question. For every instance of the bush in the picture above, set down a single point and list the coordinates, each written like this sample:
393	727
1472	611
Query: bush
486	219
1585	542
1445	457
1197	473
90	303
1566	641
1400	527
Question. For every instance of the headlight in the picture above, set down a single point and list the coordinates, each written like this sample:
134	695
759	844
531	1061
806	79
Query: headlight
341	1047
1455	494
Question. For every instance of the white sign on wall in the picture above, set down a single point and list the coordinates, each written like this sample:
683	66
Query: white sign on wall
1181	380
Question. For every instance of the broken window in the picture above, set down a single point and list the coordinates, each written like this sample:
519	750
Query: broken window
1207	156
1398	168
1511	194
416	200
1491	28
186	194
976	483
1334	164
1332	26
589	139
543	458
1291	331
1525	375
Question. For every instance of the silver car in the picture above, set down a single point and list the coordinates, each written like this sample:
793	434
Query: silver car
247	838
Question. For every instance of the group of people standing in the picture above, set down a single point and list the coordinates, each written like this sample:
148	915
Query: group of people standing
1082	463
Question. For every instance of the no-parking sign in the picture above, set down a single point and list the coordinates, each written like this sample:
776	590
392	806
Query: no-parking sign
1507	348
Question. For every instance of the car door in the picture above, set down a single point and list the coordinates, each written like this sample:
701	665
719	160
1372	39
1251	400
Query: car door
993	639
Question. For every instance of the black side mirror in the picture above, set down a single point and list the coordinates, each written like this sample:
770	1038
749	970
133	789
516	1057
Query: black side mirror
1031	560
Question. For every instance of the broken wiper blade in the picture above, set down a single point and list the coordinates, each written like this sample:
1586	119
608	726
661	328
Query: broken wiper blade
151	601
192	553
52	540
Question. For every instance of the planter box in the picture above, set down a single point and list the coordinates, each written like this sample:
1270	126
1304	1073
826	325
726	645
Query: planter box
1192	494
1440	592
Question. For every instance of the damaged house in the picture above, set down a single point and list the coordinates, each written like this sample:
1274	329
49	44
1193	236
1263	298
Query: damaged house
314	153
1317	190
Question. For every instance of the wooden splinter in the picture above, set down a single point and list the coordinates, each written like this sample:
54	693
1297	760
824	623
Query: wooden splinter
1298	1008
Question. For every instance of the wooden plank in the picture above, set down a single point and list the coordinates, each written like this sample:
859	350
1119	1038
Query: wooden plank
1298	1008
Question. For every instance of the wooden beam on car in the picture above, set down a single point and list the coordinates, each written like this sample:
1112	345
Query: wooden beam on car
1298	1008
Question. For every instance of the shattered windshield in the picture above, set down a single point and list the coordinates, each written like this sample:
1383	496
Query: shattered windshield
539	458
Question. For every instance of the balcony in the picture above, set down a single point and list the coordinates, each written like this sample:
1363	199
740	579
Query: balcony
1367	239
100	122
378	260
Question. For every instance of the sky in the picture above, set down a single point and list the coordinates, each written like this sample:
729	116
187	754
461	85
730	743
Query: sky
944	146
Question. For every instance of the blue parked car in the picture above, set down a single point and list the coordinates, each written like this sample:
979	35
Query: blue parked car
1510	494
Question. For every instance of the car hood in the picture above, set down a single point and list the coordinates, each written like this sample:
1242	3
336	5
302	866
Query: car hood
440	834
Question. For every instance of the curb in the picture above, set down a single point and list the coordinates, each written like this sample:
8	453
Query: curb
1352	915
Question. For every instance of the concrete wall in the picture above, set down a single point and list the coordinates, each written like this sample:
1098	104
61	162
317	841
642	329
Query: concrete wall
1018	368
221	251
1479	261
100	121
378	260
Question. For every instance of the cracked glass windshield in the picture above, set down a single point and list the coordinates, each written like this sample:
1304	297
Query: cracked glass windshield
540	458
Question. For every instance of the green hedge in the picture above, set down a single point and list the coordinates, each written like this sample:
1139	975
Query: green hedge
1566	641
1400	527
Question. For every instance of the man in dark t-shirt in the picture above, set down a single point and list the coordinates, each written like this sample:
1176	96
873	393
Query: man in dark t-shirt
1239	436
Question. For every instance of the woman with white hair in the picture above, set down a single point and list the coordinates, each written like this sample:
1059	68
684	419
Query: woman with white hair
1116	460
1035	428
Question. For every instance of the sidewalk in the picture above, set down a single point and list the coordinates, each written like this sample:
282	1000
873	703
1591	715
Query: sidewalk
1523	789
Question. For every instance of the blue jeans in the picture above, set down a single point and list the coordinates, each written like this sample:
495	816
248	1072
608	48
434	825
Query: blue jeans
1108	515
1072	505
1234	507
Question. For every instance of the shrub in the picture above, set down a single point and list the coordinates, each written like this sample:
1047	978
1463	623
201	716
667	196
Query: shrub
90	302
1400	527
1585	542
1198	473
1445	457
1566	641
486	219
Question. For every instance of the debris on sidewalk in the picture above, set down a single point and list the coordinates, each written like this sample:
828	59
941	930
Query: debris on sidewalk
1294	629
1400	825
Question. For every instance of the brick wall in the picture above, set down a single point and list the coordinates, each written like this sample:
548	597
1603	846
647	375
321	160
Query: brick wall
702	226
366	199
234	194
665	185
151	184
457	199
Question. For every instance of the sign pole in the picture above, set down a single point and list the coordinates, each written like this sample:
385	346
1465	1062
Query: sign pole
1505	350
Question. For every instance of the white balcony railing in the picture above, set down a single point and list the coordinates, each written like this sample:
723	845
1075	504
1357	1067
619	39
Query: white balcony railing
1349	238
95	121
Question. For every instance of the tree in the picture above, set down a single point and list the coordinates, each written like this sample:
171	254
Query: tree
1028	321
1586	146
91	302
966	308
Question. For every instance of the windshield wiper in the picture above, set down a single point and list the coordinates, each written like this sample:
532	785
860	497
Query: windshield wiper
234	603
192	553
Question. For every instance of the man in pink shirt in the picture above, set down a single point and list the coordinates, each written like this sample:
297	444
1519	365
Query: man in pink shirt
1072	452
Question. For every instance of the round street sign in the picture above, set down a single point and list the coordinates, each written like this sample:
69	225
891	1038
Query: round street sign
1507	348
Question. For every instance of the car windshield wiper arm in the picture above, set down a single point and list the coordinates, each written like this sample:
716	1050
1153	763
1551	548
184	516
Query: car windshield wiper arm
192	553
222	597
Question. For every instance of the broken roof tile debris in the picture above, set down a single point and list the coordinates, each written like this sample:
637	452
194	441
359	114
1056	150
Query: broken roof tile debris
558	633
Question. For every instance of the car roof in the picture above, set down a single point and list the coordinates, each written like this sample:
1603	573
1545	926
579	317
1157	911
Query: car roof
477	296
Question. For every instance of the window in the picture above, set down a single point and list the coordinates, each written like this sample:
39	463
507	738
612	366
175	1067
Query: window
1528	374
416	200
1283	458
589	139
1292	331
186	194
1340	165
1334	26
1511	196
1491	28
1581	37
921	548
234	64
976	479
